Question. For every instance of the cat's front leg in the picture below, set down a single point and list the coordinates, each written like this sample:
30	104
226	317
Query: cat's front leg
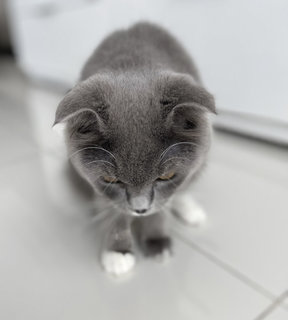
152	235
117	257
188	210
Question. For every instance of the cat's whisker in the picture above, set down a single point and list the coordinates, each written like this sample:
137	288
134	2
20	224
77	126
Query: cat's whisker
175	185
112	216
105	214
97	174
104	161
176	144
100	216
94	147
182	158
100	148
160	206
106	188
115	205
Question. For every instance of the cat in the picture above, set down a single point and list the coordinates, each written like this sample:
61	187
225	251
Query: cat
137	129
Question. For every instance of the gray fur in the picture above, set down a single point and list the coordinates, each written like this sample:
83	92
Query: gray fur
138	111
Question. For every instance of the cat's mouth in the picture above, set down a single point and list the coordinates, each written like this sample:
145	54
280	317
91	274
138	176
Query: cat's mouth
141	214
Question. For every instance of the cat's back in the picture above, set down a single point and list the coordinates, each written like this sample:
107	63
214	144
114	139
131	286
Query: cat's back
144	46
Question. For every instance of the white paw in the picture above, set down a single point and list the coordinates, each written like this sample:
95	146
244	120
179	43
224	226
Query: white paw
117	263
189	211
163	257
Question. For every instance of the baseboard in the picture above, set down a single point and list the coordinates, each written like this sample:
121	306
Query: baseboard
254	126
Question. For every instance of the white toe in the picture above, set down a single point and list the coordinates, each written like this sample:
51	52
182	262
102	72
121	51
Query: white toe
163	257
197	217
117	263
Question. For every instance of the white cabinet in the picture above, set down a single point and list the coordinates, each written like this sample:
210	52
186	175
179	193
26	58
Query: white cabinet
53	41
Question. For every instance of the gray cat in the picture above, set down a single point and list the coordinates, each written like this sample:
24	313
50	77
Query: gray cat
137	129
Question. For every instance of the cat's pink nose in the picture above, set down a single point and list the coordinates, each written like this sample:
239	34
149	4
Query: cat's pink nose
140	204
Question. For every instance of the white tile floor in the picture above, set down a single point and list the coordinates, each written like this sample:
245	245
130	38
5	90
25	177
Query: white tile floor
235	267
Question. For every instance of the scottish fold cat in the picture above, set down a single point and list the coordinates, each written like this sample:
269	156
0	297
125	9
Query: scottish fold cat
137	129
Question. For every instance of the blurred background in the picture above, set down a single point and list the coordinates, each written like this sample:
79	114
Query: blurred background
236	266
239	46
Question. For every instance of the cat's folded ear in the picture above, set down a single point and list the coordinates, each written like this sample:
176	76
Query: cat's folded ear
185	103
77	103
182	88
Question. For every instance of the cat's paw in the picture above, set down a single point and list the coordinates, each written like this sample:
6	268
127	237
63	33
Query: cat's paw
189	211
117	263
159	249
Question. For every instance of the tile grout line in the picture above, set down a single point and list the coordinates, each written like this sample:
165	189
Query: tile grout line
276	303
252	284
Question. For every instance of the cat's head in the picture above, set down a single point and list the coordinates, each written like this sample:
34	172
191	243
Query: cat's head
136	139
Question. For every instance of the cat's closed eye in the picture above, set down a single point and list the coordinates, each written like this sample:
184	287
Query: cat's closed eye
166	176
110	179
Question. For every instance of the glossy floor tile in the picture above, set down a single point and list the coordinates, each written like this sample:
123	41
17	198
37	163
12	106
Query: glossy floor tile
277	314
49	269
247	203
273	312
